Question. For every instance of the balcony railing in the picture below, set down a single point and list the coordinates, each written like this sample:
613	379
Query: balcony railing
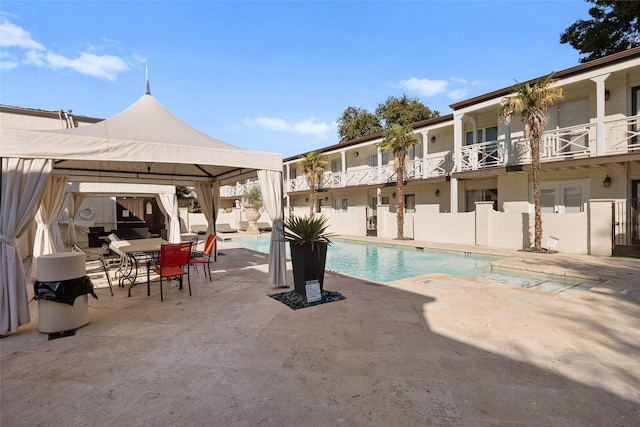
439	164
481	155
622	136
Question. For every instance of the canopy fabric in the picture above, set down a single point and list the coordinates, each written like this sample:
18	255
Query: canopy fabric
47	240
271	187
23	181
143	144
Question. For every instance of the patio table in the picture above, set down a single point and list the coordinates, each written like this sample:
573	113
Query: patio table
142	250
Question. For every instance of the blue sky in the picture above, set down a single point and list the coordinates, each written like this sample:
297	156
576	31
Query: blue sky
273	76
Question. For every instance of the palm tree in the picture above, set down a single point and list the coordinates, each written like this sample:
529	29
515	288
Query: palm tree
531	102
399	139
313	165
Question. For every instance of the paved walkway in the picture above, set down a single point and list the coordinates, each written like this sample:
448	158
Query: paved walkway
434	350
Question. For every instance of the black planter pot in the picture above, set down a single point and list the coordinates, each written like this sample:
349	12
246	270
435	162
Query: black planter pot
308	265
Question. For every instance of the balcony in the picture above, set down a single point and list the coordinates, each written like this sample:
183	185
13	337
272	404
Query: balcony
621	136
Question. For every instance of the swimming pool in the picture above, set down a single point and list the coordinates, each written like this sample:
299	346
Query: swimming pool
386	263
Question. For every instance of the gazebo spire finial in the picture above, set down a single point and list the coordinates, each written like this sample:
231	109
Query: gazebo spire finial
148	91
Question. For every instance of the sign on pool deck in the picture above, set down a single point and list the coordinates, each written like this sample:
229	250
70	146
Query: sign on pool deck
313	290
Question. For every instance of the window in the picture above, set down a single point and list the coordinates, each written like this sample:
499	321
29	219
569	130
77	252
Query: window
563	197
410	203
385	200
373	159
293	173
340	205
548	200
336	165
486	134
473	196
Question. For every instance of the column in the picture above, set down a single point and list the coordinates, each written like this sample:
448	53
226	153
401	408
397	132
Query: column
600	112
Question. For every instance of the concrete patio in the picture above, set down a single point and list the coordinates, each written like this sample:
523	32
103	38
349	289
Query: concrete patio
433	350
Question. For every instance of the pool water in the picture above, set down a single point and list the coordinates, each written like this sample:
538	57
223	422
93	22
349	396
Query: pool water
385	263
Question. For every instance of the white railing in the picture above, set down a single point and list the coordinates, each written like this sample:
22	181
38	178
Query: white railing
557	144
296	184
482	155
236	190
573	141
622	136
439	164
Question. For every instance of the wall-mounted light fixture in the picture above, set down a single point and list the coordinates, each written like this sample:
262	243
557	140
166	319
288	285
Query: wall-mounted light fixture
606	182
148	164
437	193
356	154
433	139
326	198
393	195
607	94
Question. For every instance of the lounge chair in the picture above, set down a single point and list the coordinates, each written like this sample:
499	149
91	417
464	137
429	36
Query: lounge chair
264	226
225	228
199	229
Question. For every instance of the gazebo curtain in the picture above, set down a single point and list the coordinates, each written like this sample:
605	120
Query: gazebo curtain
23	181
48	240
169	206
74	205
209	197
271	188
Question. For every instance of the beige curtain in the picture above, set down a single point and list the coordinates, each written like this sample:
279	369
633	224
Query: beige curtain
23	181
168	204
271	188
74	205
47	240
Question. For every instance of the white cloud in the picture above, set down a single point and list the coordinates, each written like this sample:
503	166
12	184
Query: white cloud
89	63
457	94
301	127
7	61
13	36
457	80
101	66
425	87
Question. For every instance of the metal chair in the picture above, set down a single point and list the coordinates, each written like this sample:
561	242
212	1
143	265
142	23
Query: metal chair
172	258
205	258
95	263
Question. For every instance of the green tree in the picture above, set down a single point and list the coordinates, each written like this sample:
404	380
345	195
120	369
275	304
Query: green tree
183	192
403	111
614	27
531	102
313	165
399	139
357	123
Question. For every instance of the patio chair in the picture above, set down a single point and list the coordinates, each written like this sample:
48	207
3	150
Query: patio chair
205	258
96	263
173	258
225	228
264	226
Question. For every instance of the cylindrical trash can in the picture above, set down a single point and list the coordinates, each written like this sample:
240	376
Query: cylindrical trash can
55	316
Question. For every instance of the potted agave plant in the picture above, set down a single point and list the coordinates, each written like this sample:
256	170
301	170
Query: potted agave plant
308	240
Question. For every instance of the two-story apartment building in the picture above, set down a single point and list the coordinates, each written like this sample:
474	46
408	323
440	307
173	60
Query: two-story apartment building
468	179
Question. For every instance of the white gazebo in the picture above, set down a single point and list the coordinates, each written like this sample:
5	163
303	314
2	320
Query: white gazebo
144	144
